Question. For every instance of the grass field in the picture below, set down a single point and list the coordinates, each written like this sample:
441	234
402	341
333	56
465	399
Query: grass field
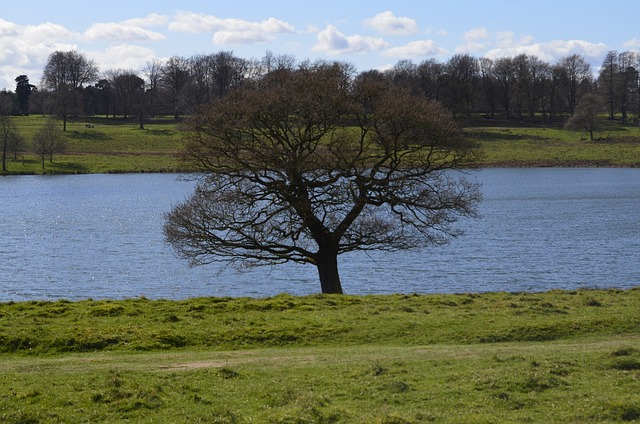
533	146
462	358
101	145
467	358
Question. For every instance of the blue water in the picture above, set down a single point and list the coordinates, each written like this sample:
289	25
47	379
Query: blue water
100	236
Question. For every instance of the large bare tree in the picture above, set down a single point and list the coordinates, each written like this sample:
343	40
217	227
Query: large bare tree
64	74
304	165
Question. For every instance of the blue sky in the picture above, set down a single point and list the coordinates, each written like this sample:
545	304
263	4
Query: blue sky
370	34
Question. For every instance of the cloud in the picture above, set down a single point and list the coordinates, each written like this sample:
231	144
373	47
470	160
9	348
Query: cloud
121	32
24	49
230	31
129	30
508	44
7	28
633	44
334	43
47	33
151	20
387	23
549	51
475	40
123	56
414	49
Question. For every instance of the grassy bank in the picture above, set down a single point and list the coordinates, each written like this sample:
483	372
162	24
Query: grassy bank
616	146
101	145
495	357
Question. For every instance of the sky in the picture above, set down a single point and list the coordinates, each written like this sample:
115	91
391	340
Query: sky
370	34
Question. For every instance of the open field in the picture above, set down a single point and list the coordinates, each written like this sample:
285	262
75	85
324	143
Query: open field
101	145
467	358
539	146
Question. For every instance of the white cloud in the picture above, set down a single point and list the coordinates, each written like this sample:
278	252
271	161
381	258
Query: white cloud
123	56
7	28
475	40
413	49
121	32
387	23
151	20
510	44
333	42
24	49
633	44
550	51
230	31
47	33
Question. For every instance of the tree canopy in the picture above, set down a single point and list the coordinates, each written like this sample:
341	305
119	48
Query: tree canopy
304	165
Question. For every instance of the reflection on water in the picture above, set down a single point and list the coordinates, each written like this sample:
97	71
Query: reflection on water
100	236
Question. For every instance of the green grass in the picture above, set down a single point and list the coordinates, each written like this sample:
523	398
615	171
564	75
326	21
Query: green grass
117	145
530	146
498	357
106	145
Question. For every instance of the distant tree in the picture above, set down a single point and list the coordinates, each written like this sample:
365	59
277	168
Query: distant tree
585	116
628	76
214	75
153	72
64	74
430	75
128	87
23	92
7	129
274	63
489	86
461	77
504	72
607	81
48	140
575	79
404	74
304	165
175	78
105	96
17	144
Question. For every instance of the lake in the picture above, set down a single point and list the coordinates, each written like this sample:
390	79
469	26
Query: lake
100	236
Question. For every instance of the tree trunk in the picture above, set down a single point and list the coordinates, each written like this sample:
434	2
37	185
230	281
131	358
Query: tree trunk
327	263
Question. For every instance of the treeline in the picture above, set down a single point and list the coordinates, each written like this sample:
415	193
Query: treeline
523	87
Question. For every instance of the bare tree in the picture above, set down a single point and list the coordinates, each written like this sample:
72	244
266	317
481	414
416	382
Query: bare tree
461	76
128	88
585	116
430	78
64	74
575	79
607	80
153	72
175	77
7	129
48	140
300	166
17	144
